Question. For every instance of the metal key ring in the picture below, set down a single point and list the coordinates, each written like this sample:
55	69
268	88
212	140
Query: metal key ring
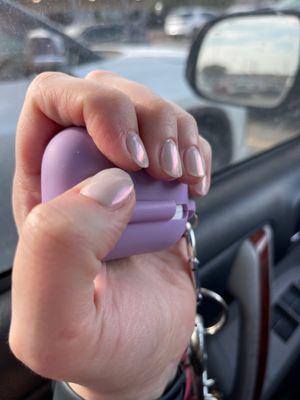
214	328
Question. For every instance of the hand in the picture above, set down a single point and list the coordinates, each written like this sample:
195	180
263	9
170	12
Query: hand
116	330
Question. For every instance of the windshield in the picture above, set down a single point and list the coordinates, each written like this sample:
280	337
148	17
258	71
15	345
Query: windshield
136	40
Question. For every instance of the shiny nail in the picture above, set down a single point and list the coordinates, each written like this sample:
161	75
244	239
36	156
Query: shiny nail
137	150
110	188
170	160
202	187
193	162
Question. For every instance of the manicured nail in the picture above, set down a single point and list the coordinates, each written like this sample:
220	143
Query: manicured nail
137	150
170	159
110	188
193	162
202	187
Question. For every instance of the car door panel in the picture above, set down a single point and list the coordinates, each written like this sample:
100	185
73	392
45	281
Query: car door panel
284	340
16	380
262	190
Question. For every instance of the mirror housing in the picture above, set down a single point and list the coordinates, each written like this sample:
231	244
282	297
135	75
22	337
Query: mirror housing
247	59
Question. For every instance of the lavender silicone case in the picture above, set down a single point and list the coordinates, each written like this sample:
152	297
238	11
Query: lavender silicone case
162	208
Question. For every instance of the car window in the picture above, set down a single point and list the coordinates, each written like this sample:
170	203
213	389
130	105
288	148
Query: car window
42	45
288	4
144	41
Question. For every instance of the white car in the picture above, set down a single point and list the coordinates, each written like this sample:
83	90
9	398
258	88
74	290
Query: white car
186	21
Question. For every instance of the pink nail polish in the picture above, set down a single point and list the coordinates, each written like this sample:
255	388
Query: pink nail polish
193	162
202	187
137	150
170	159
111	188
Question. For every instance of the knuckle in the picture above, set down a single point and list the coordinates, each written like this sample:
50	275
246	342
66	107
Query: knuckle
43	88
42	81
162	110
100	74
112	98
161	106
188	122
117	111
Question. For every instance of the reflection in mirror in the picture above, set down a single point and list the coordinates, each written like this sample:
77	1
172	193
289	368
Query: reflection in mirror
249	60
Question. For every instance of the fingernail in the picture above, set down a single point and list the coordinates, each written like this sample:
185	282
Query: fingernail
110	188
193	162
170	159
137	150
202	187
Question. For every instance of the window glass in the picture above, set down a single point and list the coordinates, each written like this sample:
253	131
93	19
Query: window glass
147	41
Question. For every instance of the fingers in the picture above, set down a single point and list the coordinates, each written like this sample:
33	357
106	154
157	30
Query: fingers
55	100
196	155
157	125
58	257
201	188
158	130
131	125
170	135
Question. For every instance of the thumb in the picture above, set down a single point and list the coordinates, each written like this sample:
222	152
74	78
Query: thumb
59	254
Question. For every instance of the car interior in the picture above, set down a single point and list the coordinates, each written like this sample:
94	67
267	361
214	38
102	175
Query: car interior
248	236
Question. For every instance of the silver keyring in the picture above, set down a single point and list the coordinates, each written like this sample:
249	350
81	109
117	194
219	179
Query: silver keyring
212	329
191	238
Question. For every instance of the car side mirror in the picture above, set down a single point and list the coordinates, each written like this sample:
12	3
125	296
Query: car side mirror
247	59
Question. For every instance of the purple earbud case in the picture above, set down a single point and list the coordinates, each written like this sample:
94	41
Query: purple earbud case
162	208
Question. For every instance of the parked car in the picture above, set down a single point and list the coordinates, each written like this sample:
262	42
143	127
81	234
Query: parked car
112	27
186	21
45	50
240	8
95	36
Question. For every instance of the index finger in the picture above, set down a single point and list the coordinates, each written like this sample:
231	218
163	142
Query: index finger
56	100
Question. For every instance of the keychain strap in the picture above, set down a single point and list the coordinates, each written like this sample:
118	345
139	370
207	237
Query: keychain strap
203	386
201	292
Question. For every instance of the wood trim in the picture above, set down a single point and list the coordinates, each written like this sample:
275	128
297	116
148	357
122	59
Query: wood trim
261	242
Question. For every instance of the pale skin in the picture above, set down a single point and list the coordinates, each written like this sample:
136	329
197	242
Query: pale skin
114	330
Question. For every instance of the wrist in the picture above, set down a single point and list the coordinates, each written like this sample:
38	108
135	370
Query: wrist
147	393
151	391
